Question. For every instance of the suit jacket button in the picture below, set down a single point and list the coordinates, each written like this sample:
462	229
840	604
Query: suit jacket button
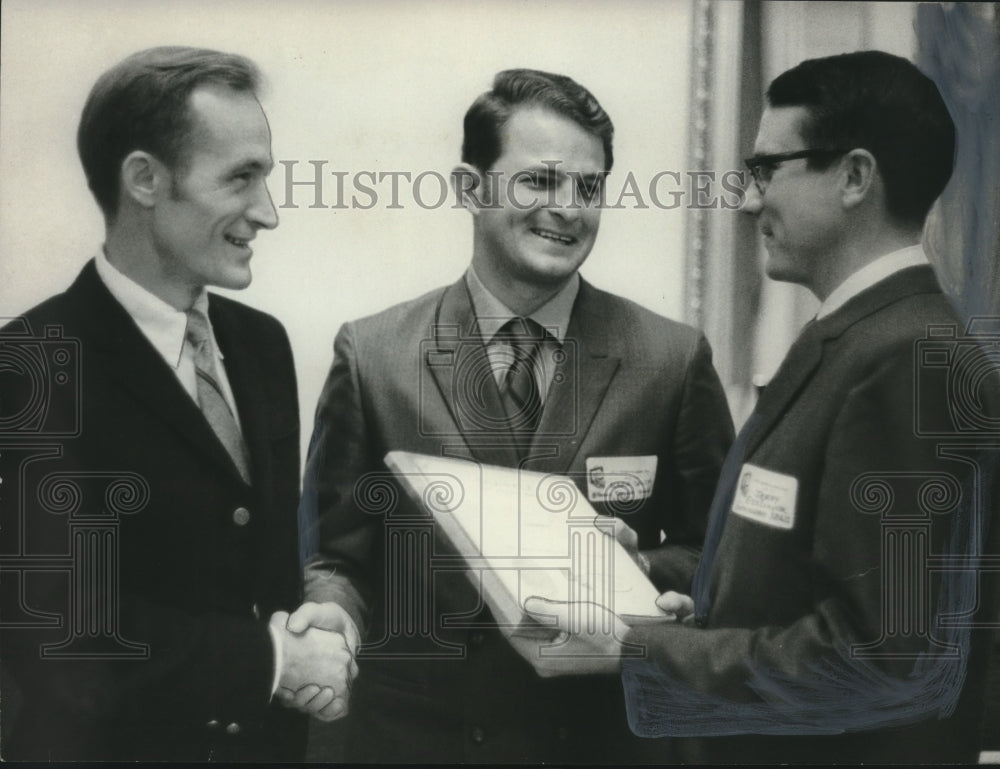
477	639
256	610
478	735
241	516
233	728
213	724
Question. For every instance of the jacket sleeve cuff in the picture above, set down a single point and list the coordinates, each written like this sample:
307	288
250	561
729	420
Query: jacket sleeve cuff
276	642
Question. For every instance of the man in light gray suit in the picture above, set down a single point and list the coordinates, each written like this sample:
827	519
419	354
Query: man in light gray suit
520	363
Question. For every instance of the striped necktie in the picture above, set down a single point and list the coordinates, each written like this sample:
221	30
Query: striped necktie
519	389
211	401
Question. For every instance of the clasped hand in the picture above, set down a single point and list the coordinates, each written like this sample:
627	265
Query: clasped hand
319	642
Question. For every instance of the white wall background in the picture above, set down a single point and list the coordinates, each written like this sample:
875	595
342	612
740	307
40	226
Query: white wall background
379	86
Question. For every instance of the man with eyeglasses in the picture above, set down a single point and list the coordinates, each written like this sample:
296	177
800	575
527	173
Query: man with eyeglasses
830	616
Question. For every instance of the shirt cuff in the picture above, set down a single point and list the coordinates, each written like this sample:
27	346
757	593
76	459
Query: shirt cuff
357	632
276	642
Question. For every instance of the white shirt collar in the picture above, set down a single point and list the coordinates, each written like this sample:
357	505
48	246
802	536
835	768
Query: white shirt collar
159	322
492	314
870	274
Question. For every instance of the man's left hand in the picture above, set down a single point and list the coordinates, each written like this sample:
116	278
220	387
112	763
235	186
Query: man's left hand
589	641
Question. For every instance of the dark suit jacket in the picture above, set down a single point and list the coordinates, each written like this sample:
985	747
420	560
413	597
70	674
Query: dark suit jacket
817	619
130	528
438	682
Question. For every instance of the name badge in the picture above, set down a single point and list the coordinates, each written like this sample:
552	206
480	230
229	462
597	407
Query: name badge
766	497
620	479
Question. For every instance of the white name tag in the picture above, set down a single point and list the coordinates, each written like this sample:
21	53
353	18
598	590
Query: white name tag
620	479
766	497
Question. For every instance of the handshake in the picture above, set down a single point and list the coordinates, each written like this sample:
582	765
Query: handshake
316	647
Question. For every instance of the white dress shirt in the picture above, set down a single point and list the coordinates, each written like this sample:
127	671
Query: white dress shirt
165	327
870	274
492	314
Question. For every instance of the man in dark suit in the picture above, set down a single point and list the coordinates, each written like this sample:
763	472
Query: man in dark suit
151	449
830	616
624	402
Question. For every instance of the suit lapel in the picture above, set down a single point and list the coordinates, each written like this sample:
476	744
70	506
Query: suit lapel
574	399
132	363
806	353
460	367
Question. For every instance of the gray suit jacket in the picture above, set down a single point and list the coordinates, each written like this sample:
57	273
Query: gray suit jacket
439	682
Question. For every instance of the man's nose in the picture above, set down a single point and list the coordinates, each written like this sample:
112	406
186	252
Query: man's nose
752	199
262	211
565	201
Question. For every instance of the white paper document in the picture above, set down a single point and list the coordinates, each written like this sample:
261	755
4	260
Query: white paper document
527	534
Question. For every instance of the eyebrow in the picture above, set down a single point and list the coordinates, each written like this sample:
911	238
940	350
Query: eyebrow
547	171
253	164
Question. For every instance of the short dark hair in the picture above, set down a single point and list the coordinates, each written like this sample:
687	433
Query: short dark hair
142	104
513	88
884	104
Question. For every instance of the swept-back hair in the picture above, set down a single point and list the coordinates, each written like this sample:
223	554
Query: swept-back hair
513	88
142	104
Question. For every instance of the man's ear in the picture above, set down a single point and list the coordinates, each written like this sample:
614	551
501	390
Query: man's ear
860	169
143	178
467	182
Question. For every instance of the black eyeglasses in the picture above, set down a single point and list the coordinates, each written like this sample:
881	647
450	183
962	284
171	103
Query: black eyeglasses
762	167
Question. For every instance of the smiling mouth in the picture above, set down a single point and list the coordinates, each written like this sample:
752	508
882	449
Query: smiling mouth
555	237
239	242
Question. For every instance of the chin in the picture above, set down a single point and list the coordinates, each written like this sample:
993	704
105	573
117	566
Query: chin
776	269
774	273
235	281
551	278
556	267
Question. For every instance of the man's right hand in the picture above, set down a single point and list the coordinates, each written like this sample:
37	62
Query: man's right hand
678	604
318	646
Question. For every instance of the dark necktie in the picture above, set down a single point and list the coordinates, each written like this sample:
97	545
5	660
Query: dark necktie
519	390
210	398
728	478
717	515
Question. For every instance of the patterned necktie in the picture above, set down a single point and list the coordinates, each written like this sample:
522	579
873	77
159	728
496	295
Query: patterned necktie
519	390
210	398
